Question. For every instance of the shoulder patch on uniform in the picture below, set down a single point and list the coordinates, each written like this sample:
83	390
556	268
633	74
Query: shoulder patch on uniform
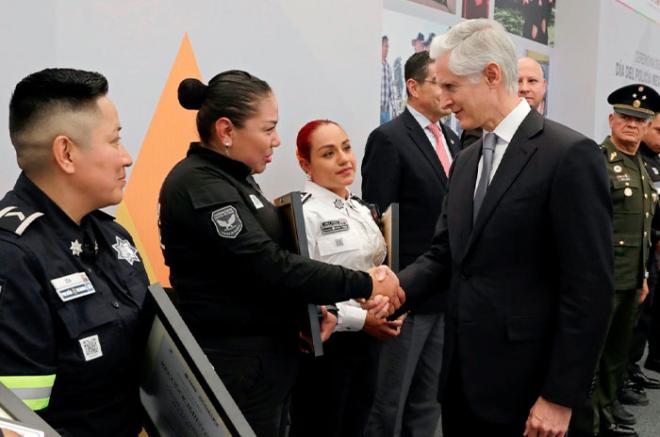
227	222
17	221
334	226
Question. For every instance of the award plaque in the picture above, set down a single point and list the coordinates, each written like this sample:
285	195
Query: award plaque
18	420
180	390
390	227
290	208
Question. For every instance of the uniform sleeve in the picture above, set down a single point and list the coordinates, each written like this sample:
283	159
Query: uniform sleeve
380	171
27	332
231	228
312	224
350	317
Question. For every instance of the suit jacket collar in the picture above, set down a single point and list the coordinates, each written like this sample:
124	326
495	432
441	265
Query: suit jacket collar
518	153
416	133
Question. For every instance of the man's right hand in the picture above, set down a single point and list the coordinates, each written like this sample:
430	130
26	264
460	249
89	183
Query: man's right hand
384	282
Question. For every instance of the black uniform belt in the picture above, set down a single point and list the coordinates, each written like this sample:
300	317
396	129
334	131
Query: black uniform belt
249	343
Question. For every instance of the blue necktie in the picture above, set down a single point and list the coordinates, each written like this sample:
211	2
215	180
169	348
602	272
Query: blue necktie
488	149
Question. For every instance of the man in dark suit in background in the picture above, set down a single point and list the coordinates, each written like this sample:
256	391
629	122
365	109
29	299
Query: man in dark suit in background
407	161
525	238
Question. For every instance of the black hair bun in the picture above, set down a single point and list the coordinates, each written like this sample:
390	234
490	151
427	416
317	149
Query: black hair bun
191	93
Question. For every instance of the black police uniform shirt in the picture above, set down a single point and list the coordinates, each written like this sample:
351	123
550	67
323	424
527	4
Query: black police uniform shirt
72	329
224	243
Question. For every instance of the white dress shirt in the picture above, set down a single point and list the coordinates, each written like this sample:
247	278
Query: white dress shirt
342	231
505	132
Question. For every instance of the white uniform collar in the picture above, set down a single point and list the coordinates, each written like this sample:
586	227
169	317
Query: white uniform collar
322	193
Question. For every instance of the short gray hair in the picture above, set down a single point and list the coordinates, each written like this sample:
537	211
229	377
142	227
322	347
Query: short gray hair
474	44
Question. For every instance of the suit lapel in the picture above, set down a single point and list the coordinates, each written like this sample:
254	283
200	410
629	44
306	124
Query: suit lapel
463	182
420	139
517	154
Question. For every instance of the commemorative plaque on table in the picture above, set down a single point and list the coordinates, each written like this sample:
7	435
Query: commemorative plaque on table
180	390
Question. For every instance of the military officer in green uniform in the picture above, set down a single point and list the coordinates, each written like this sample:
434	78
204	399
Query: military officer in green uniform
633	202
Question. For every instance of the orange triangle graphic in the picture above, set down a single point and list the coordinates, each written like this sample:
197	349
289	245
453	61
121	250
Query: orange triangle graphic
171	130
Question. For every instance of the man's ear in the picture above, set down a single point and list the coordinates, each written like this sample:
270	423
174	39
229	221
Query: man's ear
493	74
62	150
413	87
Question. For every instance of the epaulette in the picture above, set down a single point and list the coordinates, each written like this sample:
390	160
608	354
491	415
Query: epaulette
373	208
17	221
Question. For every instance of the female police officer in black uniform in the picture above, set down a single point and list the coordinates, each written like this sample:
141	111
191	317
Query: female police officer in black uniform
239	289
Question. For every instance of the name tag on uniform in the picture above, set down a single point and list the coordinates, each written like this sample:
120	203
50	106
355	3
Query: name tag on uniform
334	226
625	177
73	286
256	202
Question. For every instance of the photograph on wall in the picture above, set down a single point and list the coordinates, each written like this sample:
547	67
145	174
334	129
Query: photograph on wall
531	19
448	6
403	35
475	8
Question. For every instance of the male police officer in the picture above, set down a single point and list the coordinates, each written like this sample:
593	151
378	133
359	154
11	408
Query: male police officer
72	285
633	201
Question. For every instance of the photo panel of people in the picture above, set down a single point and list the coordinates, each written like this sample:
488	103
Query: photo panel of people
531	19
448	6
476	9
403	35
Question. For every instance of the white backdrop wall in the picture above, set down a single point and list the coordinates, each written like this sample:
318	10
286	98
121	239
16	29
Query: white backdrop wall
322	58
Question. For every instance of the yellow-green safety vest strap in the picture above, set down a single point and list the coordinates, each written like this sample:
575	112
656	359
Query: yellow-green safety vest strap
33	390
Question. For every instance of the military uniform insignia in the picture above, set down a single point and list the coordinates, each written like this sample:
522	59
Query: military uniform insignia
612	156
617	169
256	202
334	226
339	204
625	177
9	217
227	222
640	89
654	196
637	103
125	251
627	192
76	248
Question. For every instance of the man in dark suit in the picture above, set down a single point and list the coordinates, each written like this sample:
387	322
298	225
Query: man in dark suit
407	161
525	239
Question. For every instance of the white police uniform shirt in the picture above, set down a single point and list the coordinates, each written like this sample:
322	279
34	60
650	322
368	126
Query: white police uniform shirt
342	231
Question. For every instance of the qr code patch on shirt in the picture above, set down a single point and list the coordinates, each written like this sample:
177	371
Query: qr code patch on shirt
91	347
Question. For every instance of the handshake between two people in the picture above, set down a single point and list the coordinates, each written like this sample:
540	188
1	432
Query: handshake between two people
387	296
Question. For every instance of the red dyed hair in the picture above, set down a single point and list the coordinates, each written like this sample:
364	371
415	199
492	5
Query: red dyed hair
303	143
